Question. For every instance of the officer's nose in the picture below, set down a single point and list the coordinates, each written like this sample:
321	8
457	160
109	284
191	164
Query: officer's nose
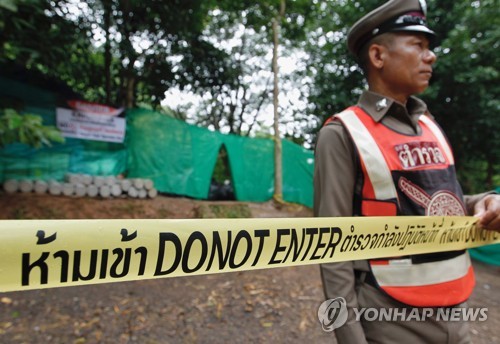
430	57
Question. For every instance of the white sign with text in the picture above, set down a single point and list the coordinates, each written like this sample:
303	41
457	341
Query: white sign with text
90	127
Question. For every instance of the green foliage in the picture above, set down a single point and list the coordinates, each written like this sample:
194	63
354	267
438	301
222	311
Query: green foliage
464	92
222	171
242	31
259	14
27	129
146	41
473	176
216	211
39	36
168	32
336	79
9	5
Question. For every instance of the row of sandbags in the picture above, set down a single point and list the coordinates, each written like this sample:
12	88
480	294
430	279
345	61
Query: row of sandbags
83	185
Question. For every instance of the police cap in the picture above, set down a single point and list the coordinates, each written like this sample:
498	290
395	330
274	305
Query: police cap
394	15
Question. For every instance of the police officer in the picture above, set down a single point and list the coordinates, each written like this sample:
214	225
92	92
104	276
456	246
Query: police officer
386	156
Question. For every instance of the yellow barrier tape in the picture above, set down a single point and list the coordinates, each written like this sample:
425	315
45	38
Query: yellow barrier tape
56	253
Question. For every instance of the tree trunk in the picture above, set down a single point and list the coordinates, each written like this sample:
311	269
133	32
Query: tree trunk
130	98
278	162
490	171
107	50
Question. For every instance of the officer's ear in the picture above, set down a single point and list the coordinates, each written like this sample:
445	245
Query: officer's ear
376	55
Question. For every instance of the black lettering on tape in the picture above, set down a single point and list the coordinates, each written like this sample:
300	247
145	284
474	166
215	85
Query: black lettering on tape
187	250
144	255
278	247
104	264
40	263
64	255
120	256
261	234
319	245
294	244
232	258
311	232
77	275
174	239
332	245
217	245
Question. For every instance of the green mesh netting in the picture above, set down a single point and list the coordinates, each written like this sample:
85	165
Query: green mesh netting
252	167
298	172
99	158
180	159
18	161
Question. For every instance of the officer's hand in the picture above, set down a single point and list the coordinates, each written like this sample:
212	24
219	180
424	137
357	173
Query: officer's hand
488	212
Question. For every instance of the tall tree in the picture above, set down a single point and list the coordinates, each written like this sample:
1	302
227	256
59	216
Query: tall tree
264	19
107	49
230	100
464	90
335	80
144	36
121	52
278	163
243	29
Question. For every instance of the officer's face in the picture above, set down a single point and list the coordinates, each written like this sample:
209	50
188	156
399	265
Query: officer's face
407	66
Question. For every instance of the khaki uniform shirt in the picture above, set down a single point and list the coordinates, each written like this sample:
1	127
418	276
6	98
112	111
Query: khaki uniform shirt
335	174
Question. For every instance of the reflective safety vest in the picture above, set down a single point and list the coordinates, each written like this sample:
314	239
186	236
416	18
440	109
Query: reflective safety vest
410	175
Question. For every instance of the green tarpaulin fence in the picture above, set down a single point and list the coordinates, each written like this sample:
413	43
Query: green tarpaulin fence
488	254
178	157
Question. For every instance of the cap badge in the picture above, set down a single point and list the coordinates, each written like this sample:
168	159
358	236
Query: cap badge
381	104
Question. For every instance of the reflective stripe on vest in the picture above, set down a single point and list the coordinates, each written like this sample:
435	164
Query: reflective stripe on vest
442	294
431	284
372	157
401	273
439	136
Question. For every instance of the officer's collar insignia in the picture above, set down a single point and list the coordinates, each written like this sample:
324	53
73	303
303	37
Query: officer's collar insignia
381	104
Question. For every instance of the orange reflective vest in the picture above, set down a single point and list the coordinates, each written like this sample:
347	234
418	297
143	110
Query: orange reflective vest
410	175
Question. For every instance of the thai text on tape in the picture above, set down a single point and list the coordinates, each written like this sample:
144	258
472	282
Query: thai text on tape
56	253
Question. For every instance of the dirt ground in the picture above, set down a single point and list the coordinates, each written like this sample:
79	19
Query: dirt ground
264	306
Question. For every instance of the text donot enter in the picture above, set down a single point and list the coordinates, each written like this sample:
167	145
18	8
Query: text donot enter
56	253
311	244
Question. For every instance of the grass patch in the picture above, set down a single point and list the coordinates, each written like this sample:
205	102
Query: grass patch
164	213
20	214
222	211
131	208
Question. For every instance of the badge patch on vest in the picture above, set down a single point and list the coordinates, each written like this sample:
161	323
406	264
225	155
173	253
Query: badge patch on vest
417	154
441	203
